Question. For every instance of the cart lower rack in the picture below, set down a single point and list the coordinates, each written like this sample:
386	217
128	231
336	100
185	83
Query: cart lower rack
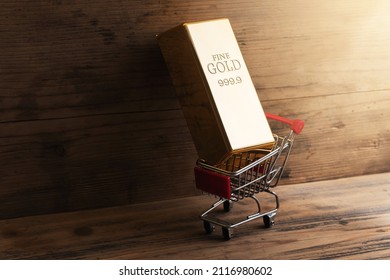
242	176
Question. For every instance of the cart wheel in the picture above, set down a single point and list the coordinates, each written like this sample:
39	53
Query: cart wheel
268	221
227	234
209	228
227	205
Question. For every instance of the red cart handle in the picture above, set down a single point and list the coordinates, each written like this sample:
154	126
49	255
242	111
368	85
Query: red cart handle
295	125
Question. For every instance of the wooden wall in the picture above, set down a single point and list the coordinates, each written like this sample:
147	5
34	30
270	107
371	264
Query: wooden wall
89	118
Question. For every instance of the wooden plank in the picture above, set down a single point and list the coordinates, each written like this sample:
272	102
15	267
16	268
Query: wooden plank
73	59
344	135
70	164
304	48
81	59
84	90
96	161
340	219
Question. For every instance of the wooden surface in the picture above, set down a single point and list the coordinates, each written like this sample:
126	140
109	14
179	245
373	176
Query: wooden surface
89	117
339	219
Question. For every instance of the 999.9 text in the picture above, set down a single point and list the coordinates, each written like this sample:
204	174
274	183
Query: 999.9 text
229	81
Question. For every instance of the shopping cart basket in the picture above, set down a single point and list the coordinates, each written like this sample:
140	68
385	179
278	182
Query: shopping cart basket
243	175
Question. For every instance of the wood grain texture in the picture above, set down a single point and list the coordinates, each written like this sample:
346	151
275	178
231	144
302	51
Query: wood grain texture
89	117
338	219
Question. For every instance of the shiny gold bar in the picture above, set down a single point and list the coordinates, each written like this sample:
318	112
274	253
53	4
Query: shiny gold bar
215	90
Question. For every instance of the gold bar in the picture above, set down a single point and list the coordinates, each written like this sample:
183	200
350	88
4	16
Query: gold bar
215	90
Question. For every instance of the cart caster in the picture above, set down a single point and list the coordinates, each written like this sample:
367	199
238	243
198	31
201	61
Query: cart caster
208	227
227	205
268	221
227	233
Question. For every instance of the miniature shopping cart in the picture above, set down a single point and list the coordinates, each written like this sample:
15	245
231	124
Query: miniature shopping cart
243	175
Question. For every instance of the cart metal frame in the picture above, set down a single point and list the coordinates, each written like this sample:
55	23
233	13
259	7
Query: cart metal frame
243	176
